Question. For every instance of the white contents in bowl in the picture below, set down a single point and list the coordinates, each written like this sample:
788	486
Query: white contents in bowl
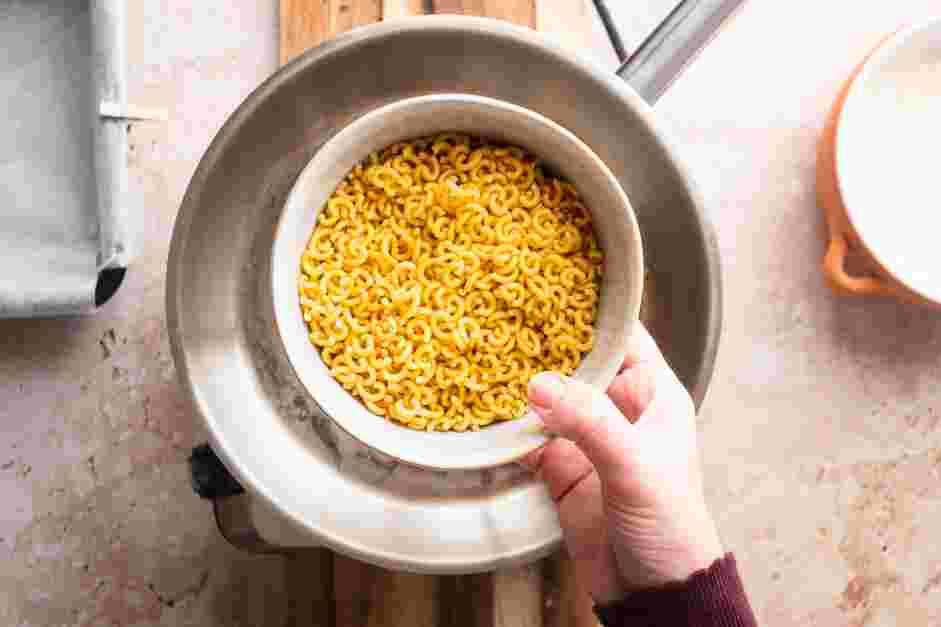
888	160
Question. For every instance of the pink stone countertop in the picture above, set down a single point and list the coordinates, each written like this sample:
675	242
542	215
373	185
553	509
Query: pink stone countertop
821	434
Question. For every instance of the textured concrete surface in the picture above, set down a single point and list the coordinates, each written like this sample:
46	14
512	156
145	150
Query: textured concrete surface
98	524
820	435
821	431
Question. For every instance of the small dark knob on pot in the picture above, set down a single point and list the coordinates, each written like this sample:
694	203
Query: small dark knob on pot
210	478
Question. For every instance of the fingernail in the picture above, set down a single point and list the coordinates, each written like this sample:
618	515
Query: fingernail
545	389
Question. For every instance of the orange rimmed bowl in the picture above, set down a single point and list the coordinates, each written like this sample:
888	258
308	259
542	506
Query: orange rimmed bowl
874	171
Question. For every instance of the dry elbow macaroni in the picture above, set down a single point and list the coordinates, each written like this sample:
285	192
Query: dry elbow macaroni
442	274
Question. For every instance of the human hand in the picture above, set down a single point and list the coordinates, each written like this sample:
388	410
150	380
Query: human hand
630	496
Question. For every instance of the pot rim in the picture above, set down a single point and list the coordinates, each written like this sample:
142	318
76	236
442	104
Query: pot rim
712	310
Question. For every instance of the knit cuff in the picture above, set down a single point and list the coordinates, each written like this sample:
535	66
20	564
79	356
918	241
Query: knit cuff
713	596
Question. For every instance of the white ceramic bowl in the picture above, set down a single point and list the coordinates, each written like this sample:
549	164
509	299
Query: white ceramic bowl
615	226
887	144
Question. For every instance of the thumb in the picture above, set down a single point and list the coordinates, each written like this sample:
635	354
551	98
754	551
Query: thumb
584	415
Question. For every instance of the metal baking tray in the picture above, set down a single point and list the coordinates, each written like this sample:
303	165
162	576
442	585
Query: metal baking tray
65	211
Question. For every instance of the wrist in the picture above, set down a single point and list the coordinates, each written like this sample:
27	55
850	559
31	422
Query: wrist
687	543
713	596
706	550
702	545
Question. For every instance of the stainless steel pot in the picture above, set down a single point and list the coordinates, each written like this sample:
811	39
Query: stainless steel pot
262	423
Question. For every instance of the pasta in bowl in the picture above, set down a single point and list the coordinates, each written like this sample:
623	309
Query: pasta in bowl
427	264
442	274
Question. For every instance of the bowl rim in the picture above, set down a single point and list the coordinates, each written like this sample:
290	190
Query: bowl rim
298	352
883	53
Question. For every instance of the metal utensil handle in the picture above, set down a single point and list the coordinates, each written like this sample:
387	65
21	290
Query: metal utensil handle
673	44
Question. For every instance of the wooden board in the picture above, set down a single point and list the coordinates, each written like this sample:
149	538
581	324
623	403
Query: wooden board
367	596
402	8
566	602
307	23
518	597
331	590
522	12
308	573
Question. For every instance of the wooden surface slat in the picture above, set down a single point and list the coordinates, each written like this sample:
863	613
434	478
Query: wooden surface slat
512	597
518	597
566	602
354	590
309	577
466	600
507	598
368	596
306	23
330	589
522	12
402	8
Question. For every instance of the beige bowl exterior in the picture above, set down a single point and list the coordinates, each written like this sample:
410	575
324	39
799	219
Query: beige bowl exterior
615	226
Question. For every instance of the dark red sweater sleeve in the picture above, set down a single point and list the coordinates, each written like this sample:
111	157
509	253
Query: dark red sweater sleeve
713	597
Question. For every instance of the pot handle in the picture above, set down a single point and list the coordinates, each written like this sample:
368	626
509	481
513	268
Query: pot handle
663	55
212	481
834	266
